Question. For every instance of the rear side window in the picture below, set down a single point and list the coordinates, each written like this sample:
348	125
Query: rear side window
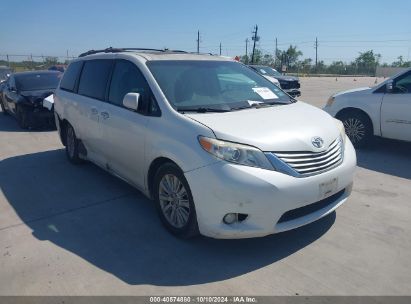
68	82
94	78
127	78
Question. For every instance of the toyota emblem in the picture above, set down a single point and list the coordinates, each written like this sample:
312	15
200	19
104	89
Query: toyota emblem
317	142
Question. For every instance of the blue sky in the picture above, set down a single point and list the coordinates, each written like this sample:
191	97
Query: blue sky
343	28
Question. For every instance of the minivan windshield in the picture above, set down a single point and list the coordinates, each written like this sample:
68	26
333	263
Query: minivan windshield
214	86
37	81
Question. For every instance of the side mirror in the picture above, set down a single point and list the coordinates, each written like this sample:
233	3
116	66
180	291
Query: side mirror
130	101
389	87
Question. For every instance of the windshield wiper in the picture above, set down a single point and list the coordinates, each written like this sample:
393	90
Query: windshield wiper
202	110
258	105
293	99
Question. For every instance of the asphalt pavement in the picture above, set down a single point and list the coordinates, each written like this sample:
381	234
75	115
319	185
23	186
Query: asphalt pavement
77	230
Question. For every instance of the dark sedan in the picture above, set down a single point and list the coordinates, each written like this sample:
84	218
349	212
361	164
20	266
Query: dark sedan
23	95
289	84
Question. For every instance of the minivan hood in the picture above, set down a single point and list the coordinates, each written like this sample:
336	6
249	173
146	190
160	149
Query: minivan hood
353	91
278	128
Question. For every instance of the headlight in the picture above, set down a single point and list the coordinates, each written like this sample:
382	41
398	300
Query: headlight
341	127
330	101
235	153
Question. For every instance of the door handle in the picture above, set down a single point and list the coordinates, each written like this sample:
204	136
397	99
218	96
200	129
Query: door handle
105	115
94	111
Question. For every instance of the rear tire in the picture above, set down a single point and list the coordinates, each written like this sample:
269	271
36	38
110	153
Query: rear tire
72	145
358	128
174	201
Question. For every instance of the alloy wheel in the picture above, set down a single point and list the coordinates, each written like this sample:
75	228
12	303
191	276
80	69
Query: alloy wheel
355	129
174	201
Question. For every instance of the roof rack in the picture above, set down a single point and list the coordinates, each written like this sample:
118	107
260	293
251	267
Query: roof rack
117	50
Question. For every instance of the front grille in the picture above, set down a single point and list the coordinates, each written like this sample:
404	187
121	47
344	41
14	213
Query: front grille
286	85
309	163
305	210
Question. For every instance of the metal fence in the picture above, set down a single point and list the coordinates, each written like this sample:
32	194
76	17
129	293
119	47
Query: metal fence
19	62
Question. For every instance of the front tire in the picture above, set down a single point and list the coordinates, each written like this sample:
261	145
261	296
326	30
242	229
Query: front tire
21	115
3	108
358	128
72	145
174	201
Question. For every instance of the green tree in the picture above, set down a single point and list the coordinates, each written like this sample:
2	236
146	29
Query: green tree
245	59
290	56
368	58
50	61
305	65
367	62
267	59
401	63
337	67
258	55
321	67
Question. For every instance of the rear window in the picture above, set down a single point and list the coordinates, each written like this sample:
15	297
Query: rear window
70	76
37	81
94	78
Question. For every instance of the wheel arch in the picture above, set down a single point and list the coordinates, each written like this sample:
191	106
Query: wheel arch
154	166
63	123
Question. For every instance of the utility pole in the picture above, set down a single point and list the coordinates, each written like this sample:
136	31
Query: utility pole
67	55
8	61
246	51
220	48
198	42
255	39
276	51
316	53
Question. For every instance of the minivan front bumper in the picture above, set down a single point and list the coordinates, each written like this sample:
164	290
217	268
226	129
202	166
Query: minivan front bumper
273	201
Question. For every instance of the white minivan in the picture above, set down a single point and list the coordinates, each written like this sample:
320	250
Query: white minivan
220	149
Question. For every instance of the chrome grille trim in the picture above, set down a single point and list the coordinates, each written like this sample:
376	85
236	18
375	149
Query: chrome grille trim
305	163
303	154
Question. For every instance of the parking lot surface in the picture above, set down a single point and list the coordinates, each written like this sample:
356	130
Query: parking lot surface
77	230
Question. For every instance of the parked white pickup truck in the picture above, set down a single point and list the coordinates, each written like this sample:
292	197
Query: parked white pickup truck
383	110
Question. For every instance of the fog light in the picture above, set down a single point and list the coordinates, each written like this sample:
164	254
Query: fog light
230	218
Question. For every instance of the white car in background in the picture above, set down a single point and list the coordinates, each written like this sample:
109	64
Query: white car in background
383	110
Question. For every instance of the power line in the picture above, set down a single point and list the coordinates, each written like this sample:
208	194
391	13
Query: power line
366	46
367	41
